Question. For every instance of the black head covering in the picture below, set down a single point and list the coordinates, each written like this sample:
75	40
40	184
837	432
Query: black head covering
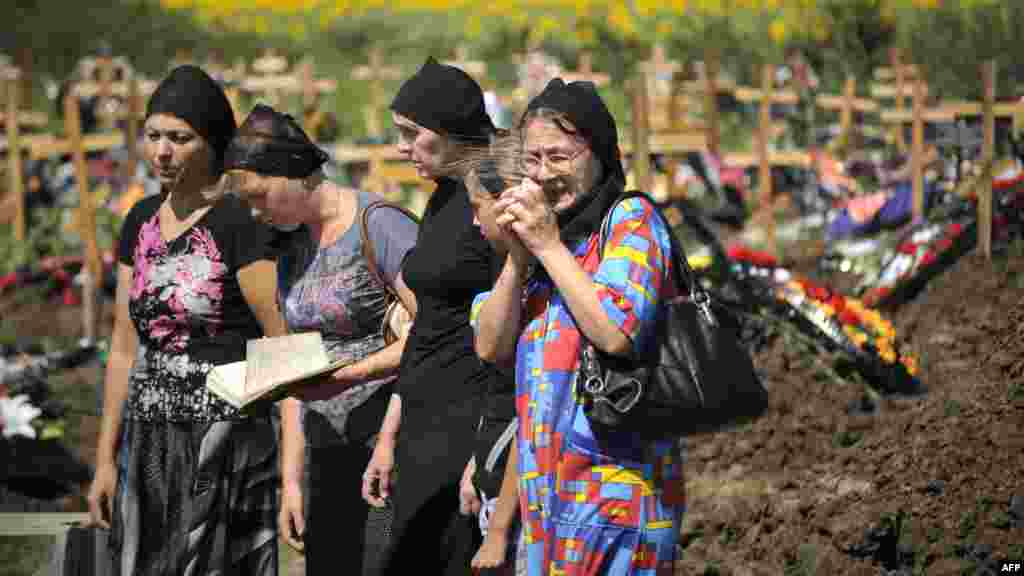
446	100
271	143
581	104
190	94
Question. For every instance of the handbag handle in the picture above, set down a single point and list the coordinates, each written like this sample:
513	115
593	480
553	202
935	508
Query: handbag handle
594	381
369	253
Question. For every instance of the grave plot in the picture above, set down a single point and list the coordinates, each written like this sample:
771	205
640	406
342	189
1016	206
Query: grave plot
41	472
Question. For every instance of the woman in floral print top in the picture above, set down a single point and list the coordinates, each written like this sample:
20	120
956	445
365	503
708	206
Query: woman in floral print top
186	483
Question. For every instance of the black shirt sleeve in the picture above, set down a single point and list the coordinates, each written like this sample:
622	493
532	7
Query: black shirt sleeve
142	211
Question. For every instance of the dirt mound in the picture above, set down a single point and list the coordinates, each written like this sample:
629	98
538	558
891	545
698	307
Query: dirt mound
837	481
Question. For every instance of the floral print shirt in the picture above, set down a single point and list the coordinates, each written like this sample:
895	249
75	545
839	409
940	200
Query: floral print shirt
187	306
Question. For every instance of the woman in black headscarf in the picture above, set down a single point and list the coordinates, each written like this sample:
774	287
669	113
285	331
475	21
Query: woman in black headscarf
187	484
587	507
440	116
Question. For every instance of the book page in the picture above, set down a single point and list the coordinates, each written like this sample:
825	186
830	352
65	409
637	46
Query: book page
228	382
271	361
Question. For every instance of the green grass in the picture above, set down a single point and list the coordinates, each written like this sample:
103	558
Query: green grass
285	557
23	555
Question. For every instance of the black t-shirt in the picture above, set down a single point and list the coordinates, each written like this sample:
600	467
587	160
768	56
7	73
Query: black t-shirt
187	306
441	379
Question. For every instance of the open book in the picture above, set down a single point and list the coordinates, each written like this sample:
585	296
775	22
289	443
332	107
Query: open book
272	366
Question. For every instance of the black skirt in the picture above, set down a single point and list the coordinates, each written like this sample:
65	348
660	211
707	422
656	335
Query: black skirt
196	499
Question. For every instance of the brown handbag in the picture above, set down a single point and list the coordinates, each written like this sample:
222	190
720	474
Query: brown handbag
397	319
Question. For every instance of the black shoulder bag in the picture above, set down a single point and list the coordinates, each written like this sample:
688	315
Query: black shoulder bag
694	378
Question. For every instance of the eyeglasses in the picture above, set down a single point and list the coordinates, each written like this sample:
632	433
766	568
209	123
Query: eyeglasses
557	162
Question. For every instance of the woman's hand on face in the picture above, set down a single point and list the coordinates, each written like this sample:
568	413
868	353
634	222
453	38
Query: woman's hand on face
525	209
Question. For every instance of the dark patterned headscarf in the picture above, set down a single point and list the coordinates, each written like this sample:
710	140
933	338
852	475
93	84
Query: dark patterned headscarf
273	144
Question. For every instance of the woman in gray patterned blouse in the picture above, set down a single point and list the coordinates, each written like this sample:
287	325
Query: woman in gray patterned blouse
325	284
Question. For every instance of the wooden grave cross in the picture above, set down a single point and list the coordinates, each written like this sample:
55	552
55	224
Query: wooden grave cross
475	68
660	72
585	72
375	73
26	118
846	105
269	75
12	83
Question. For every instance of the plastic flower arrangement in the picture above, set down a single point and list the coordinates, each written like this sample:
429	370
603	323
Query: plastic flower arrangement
922	251
16	416
862	325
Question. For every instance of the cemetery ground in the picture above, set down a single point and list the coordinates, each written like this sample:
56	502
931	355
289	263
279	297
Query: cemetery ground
833	480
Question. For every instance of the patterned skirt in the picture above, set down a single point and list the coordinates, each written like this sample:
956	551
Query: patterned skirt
196	499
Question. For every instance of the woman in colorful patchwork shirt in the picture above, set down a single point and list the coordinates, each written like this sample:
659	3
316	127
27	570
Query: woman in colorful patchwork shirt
608	505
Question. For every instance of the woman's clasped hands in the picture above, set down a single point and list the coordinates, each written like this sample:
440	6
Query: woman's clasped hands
527	223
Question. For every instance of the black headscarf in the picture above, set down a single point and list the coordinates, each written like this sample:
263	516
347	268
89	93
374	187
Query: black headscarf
190	94
273	144
446	100
581	104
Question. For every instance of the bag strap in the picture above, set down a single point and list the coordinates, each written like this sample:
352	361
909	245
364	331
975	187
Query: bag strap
682	272
500	444
369	253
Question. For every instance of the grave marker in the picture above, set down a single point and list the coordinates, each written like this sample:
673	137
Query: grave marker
585	72
475	68
375	72
988	80
641	158
12	85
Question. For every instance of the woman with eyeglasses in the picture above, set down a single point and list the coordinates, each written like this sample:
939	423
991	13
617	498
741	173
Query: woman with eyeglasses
588	505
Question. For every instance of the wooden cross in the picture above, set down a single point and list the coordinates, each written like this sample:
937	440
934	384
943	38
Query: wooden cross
312	88
86	210
846	105
274	80
11	81
375	72
660	72
475	68
888	74
751	95
106	77
25	118
764	177
988	79
181	57
269	75
585	72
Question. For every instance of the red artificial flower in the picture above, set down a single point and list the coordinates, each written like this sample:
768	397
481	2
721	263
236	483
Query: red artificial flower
763	259
928	259
837	302
8	280
944	244
955	229
737	252
849	317
70	297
